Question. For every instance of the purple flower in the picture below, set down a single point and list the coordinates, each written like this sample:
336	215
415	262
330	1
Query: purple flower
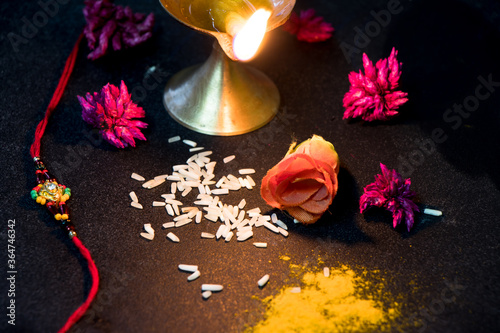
112	110
373	95
107	23
308	27
390	192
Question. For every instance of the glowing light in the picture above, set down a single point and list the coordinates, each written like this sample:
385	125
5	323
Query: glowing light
248	39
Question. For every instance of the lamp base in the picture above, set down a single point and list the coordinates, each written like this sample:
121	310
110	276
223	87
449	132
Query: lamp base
221	97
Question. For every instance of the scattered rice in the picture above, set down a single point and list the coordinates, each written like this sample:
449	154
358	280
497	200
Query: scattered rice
281	224
326	271
274	218
133	196
211	287
283	231
195	149
433	212
229	236
207	235
260	245
271	227
246	171
246	235
173	237
198	217
220	191
206	294
158	203
188	268
186	191
194	276
137	177
147	236
183	223
173	188
250	181
136	205
169	209
168	225
174	139
242	204
190	143
228	158
176	209
149	229
262	282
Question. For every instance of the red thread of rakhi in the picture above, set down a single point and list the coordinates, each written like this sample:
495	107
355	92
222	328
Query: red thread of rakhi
53	195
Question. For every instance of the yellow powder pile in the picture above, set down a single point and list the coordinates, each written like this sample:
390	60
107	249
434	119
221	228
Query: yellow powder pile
338	303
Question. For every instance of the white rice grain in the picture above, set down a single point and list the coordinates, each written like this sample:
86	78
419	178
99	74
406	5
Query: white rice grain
242	204
173	237
250	181
282	224
207	235
158	204
206	294
186	191
174	139
228	158
260	244
196	149
147	236
182	223
220	191
137	177
168	225
194	276
262	282
168	196
246	171
188	268
296	221
229	236
198	217
190	143
274	218
433	212
271	227
176	209
170	210
133	196
136	205
326	271
211	287
283	231
148	229
243	237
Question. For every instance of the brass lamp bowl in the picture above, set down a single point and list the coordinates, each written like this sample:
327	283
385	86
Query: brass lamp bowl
222	96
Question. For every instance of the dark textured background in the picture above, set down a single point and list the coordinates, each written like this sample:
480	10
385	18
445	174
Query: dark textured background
445	46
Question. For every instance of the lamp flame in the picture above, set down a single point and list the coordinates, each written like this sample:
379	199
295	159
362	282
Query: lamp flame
247	41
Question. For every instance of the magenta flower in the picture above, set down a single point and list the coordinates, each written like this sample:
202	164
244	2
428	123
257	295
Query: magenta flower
107	23
308	27
390	192
112	111
373	95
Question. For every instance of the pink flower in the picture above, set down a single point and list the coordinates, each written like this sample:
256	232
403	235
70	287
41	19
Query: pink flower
390	192
308	27
107	22
373	96
112	110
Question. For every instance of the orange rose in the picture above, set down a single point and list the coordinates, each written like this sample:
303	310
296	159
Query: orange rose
304	182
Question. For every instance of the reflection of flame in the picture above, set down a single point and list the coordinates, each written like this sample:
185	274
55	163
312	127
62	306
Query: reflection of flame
248	39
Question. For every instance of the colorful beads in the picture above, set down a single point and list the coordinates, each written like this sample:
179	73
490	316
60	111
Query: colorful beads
53	195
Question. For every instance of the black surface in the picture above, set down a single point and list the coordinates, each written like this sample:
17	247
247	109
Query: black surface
445	46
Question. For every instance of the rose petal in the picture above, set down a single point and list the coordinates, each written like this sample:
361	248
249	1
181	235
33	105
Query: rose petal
297	192
302	215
